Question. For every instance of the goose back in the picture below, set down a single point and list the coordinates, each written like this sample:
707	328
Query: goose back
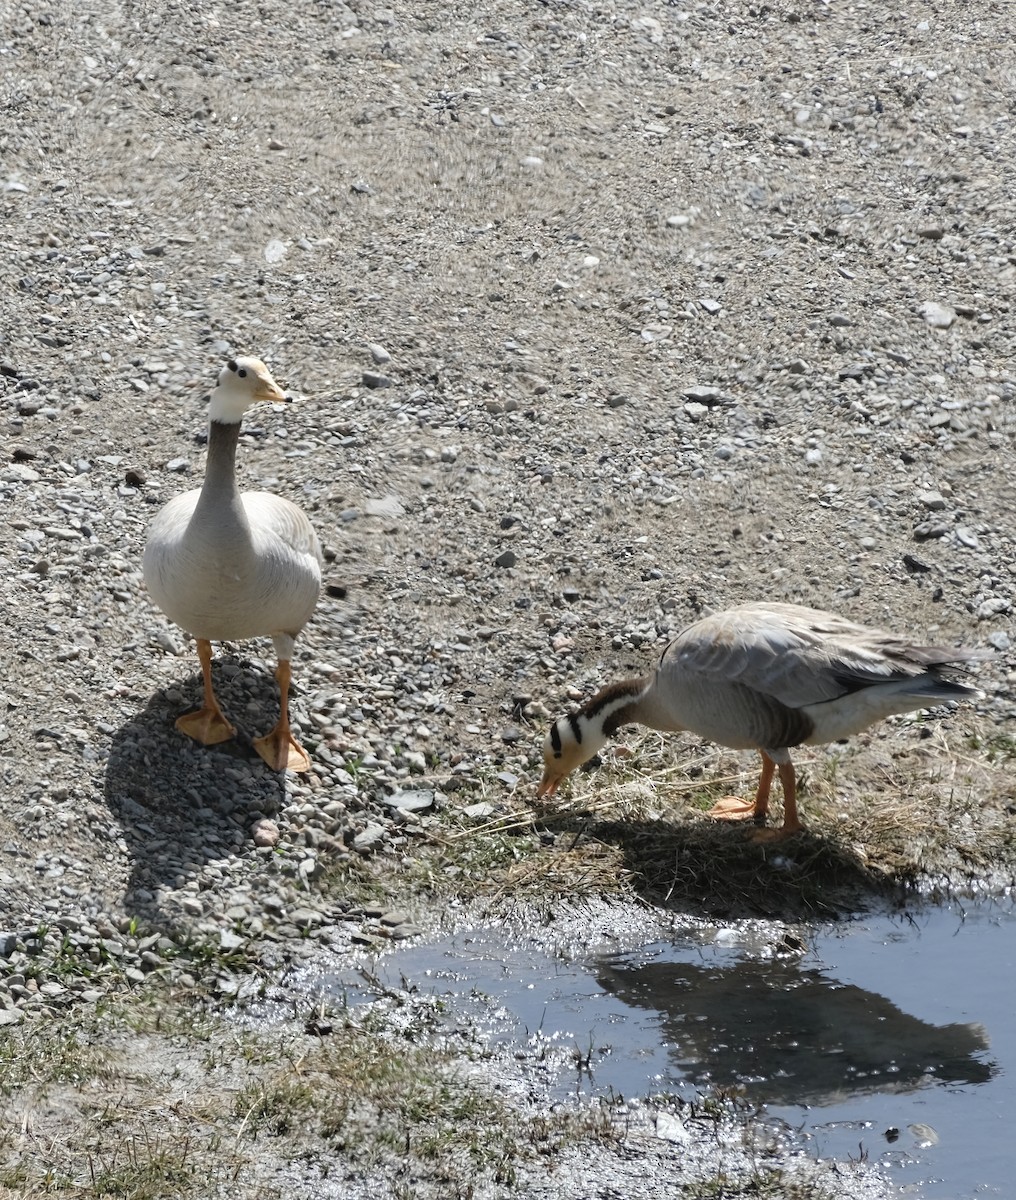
778	675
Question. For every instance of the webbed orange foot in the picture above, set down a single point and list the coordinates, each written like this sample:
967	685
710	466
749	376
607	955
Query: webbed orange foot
732	808
281	751
207	726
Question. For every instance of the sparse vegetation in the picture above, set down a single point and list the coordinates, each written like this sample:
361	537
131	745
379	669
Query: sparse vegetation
128	1121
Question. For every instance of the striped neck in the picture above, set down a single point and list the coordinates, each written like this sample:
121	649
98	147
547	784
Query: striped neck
574	739
616	705
582	734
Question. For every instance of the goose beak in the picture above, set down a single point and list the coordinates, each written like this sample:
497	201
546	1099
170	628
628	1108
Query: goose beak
270	391
548	785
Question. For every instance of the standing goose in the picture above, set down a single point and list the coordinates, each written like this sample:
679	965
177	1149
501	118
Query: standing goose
226	565
764	677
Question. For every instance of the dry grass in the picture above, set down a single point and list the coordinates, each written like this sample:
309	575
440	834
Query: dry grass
914	804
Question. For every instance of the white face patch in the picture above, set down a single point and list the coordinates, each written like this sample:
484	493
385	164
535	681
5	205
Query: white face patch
230	399
236	390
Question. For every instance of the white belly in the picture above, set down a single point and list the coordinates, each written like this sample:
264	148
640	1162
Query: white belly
227	589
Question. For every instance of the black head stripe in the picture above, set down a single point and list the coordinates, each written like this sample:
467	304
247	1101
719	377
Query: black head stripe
232	365
576	727
555	740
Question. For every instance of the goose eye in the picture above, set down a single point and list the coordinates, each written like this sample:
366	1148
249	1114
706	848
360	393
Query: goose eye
242	373
232	364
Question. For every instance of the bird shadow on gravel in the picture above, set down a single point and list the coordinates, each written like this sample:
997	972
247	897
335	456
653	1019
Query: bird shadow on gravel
182	805
713	869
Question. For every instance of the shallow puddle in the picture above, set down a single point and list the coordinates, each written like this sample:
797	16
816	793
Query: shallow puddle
891	1037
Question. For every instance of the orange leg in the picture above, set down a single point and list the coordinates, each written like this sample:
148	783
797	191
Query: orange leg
791	821
208	725
736	808
280	750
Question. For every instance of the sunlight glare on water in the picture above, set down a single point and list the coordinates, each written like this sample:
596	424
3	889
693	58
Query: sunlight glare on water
892	1036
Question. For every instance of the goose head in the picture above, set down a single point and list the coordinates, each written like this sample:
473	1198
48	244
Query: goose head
571	741
242	382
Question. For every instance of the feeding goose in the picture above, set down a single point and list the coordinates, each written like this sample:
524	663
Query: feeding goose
227	565
764	677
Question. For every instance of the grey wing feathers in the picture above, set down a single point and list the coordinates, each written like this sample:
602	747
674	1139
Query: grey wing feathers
285	520
798	655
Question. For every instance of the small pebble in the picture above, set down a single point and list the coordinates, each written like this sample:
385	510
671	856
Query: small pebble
704	394
265	833
938	316
930	529
934	501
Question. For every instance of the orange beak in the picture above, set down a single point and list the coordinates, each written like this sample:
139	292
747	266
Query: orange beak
548	785
268	390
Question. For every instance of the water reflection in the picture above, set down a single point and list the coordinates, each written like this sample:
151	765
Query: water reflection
792	1035
845	1044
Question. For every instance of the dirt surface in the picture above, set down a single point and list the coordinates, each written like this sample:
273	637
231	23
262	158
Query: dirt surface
597	317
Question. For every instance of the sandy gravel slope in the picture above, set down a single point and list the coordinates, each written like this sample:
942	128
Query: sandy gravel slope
672	307
559	221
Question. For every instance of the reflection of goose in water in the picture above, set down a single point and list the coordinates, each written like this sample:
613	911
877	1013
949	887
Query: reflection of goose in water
792	1035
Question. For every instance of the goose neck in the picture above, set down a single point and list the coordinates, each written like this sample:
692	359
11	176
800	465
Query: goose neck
220	466
617	705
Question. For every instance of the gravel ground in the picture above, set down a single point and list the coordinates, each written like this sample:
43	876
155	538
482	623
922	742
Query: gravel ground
597	317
